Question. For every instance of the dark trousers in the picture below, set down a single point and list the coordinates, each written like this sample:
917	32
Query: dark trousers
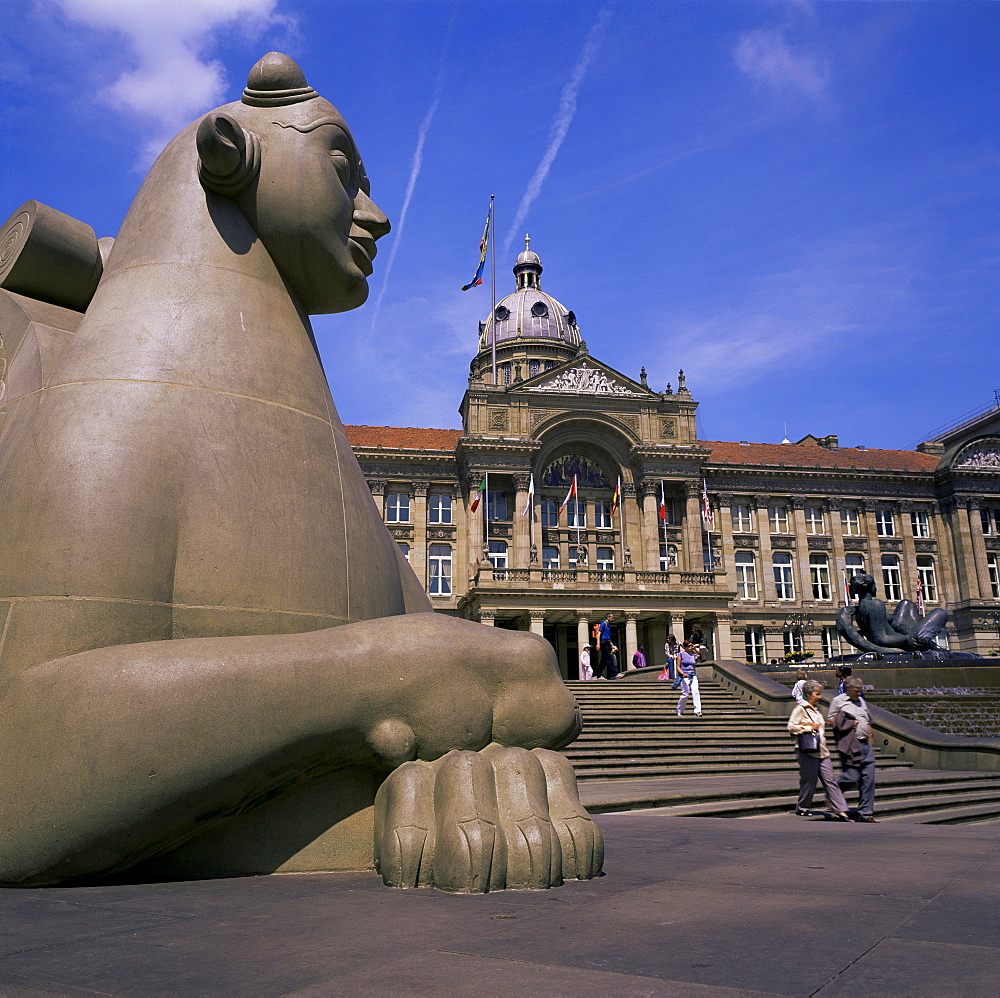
863	774
607	662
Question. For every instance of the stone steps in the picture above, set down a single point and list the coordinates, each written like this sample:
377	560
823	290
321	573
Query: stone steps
734	761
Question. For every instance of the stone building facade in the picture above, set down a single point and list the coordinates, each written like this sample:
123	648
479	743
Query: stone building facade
789	521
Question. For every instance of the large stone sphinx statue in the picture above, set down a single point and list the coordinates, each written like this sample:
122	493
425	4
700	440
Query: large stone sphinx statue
211	650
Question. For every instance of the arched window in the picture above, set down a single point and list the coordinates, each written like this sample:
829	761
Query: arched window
784	583
439	570
819	576
746	575
892	586
588	474
928	577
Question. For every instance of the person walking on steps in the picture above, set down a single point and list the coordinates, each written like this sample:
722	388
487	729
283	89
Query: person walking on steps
852	731
673	652
606	663
808	727
689	680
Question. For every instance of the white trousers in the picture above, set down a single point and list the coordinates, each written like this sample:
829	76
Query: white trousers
689	688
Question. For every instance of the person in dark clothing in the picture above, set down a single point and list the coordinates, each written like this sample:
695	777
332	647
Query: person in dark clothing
606	664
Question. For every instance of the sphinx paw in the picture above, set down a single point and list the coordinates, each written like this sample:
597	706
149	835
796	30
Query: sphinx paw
473	822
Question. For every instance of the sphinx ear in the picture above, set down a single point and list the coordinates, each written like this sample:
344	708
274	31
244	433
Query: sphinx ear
228	154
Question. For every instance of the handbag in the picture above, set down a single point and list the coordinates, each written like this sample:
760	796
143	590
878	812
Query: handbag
808	741
665	674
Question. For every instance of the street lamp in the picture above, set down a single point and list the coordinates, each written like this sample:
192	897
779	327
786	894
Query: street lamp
795	624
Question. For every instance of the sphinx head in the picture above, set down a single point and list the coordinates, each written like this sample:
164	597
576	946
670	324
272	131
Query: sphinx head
288	159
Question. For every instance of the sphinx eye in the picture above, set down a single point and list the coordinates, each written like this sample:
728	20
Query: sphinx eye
342	163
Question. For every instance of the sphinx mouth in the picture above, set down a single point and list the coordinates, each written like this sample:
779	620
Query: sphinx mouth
363	249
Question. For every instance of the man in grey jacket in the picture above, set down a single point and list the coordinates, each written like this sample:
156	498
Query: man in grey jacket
852	730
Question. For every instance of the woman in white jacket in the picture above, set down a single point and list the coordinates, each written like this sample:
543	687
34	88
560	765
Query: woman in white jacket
815	764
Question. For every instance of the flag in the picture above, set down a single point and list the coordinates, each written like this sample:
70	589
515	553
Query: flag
847	587
480	492
707	518
569	495
920	595
616	499
483	243
531	496
663	505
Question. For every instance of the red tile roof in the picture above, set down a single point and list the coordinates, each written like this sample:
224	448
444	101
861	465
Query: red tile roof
810	456
724	452
406	437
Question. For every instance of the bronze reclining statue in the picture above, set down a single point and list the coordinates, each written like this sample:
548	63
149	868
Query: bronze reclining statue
212	651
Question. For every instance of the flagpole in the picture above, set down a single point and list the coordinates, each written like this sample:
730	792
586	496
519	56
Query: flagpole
621	521
493	289
576	502
486	508
662	532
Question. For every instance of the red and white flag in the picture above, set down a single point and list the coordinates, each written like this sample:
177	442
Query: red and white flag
531	495
663	505
480	492
707	517
569	495
920	595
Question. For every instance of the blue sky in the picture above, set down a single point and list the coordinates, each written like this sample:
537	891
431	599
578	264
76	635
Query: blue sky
796	202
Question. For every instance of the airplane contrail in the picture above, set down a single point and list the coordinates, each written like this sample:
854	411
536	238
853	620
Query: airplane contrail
560	124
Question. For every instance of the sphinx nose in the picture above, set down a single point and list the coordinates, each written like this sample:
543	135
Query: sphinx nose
369	216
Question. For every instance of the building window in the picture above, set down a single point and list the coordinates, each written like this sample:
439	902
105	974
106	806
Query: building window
505	372
602	514
850	522
920	524
854	564
778	518
928	577
496	506
576	555
439	570
753	644
990	519
892	585
668	557
576	511
815	521
793	641
784	585
819	576
533	368
438	509
885	526
549	364
605	559
498	554
397	507
746	575
670	517
831	643
405	548
742	519
550	513
993	564
550	557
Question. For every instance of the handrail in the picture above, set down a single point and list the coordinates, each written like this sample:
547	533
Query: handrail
913	742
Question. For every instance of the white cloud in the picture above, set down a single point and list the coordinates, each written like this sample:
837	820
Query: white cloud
766	57
560	125
171	79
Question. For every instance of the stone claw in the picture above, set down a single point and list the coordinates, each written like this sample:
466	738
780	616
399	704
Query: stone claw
473	822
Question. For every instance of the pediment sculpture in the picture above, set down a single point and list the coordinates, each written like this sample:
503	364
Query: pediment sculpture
585	380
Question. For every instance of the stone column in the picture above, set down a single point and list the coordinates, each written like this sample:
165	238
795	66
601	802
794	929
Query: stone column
486	616
909	559
838	555
804	583
946	557
723	636
631	640
765	577
651	524
537	619
874	559
982	573
522	525
693	559
418	548
630	515
583	631
954	513
724	528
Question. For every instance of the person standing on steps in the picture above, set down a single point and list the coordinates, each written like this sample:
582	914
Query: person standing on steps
800	681
689	680
606	663
672	649
814	763
639	659
852	731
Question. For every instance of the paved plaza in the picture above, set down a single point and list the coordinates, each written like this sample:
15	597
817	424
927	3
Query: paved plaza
687	906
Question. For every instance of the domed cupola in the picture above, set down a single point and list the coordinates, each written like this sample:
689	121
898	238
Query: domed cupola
530	325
